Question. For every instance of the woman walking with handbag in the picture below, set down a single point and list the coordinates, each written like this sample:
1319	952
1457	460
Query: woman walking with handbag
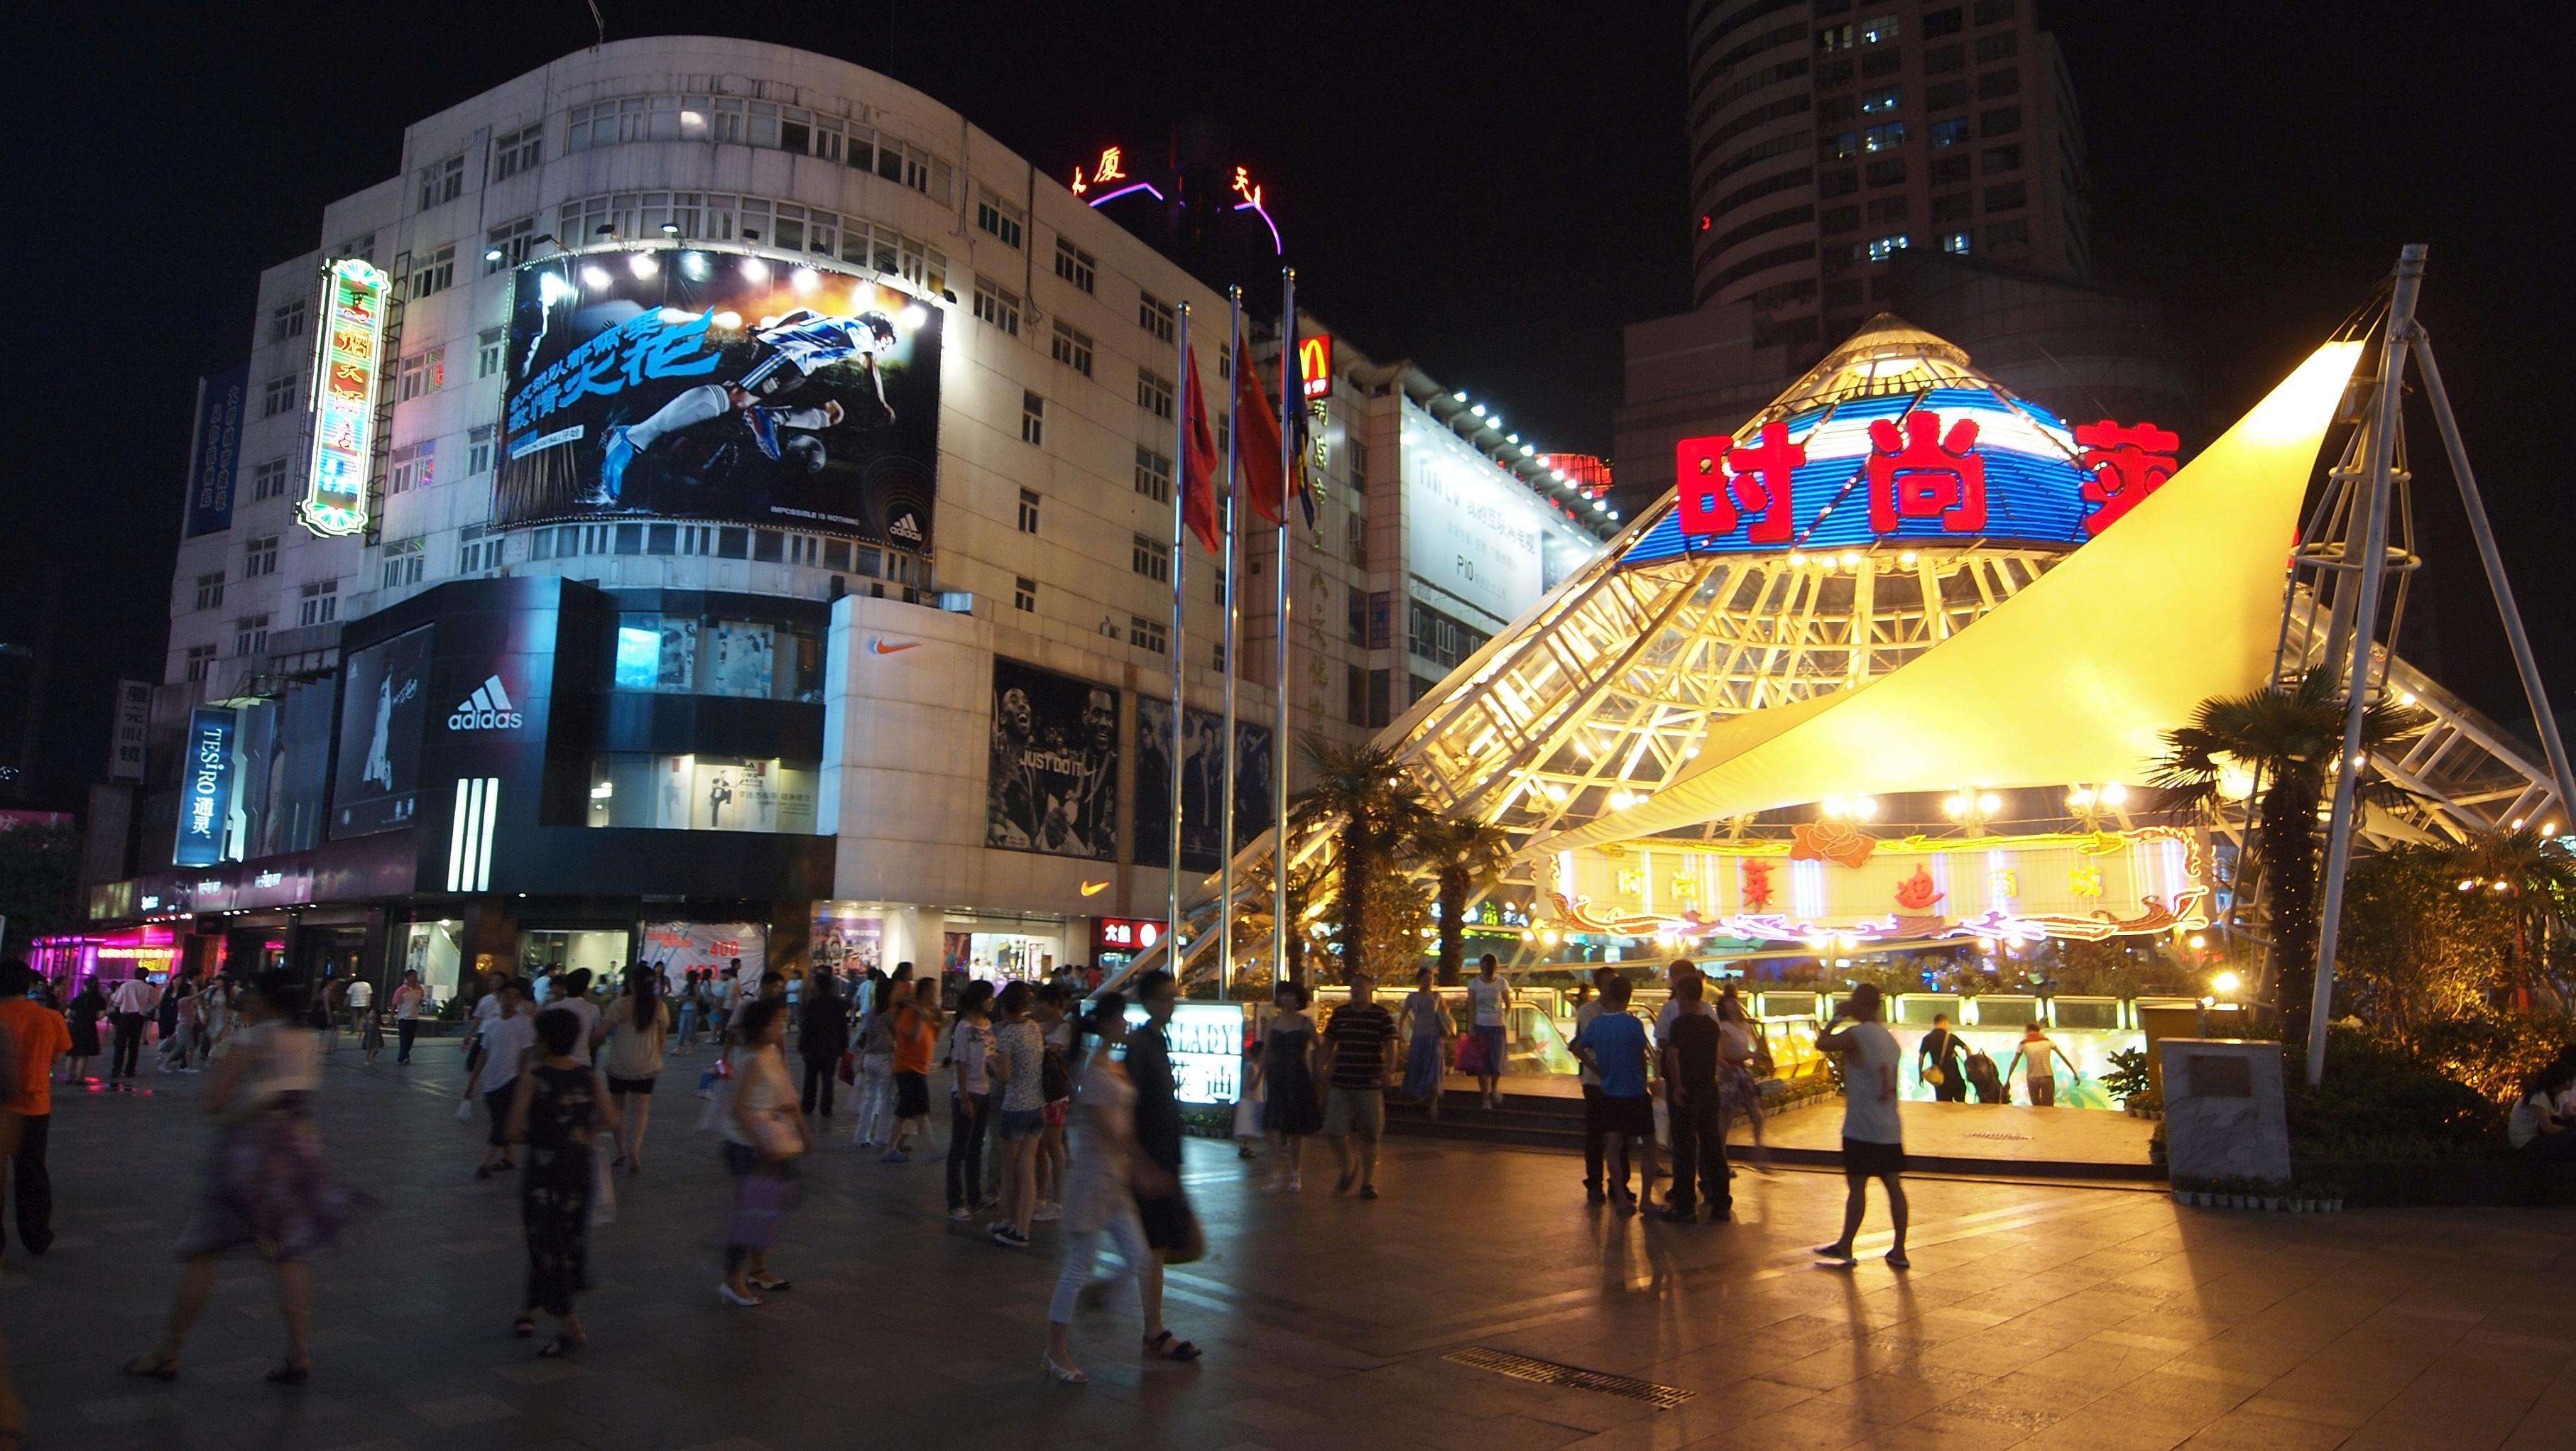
634	1028
763	1135
560	1107
1100	1193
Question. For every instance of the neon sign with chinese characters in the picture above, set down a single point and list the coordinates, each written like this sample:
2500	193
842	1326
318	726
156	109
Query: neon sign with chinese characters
346	370
1110	168
1251	202
1957	464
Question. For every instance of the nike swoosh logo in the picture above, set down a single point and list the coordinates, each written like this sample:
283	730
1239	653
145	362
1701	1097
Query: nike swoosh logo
1094	889
881	647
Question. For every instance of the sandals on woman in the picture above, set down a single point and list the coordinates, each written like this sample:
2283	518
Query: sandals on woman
153	1367
1063	1374
1164	1347
561	1346
523	1327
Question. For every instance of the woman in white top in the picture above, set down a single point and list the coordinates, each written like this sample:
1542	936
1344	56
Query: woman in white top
1106	1175
764	1132
1019	1116
634	1028
266	1186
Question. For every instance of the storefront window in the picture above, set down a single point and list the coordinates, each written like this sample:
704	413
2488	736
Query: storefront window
1001	956
702	793
683	947
685	655
848	943
435	951
602	951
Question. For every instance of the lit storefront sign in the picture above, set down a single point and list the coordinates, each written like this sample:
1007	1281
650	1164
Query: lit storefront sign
1315	365
1834	885
1947	464
1124	934
205	788
1207	1049
347	367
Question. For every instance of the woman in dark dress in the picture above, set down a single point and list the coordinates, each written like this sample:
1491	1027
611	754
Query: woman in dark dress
561	1105
1289	1108
88	1006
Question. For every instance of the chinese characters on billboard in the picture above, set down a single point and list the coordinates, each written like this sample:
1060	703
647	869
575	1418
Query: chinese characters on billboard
205	788
716	386
1957	464
217	454
345	373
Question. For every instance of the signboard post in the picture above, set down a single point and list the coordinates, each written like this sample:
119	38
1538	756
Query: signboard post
215	454
205	788
346	369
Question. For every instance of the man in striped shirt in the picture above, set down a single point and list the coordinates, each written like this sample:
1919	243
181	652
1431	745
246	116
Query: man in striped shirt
1360	1044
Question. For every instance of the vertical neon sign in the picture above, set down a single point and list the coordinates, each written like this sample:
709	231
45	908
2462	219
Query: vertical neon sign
346	371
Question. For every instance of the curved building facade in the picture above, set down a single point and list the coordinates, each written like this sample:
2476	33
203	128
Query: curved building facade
713	501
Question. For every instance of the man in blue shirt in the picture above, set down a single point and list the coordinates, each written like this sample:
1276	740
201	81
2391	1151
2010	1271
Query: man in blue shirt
1613	1045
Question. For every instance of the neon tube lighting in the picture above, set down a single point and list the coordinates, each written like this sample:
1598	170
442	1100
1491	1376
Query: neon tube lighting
1257	210
1146	187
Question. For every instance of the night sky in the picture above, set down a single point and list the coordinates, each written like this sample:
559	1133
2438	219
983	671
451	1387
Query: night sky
1490	190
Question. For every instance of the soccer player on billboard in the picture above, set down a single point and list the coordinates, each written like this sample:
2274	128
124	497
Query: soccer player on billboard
792	349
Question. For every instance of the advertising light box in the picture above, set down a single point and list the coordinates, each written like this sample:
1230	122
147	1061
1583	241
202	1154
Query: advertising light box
205	788
347	368
711	385
1207	1049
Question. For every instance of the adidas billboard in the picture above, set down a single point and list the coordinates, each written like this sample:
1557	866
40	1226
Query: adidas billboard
487	709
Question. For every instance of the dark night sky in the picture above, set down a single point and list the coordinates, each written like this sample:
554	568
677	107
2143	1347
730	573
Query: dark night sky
1491	190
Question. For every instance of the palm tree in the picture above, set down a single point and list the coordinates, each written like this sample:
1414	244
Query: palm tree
2290	737
2532	878
1463	857
1374	810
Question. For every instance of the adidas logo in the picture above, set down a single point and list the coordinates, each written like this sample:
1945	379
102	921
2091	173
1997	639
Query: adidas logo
487	709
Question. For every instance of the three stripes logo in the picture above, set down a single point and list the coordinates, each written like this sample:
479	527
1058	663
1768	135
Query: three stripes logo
487	709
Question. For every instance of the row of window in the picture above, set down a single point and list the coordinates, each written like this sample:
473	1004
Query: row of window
786	226
1948	207
758	123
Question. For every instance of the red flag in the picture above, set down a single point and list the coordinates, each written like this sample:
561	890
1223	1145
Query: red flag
1199	465
1257	419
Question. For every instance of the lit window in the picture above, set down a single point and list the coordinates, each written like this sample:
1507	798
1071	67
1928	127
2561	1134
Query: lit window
414	467
1879	31
1883	138
1955	243
1032	418
1831	38
422	373
1949	133
1881	102
1879	249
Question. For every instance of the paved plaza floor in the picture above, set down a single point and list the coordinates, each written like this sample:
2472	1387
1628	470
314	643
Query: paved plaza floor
2033	1316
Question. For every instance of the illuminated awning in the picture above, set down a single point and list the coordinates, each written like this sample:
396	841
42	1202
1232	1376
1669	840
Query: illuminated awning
2076	677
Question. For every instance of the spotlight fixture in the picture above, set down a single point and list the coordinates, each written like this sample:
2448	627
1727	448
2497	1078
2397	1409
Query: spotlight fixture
493	254
671	230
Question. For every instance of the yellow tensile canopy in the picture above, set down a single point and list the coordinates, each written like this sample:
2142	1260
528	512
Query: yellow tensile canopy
2075	678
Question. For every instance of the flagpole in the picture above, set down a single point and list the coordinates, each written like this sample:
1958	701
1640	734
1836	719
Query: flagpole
1279	735
1233	356
1180	559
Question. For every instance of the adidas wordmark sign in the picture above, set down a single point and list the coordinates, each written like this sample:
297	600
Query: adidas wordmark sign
487	709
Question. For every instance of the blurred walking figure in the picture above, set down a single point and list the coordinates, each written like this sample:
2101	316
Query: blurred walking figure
763	1135
130	1007
560	1106
266	1186
88	1007
1291	1109
2036	1050
970	1100
1873	1132
1018	1069
507	1038
822	1036
635	1027
1937	1062
1162	1205
1100	1190
916	1033
32	1036
1744	1060
409	1000
1359	1047
876	1070
1426	1061
691	1010
1056	1080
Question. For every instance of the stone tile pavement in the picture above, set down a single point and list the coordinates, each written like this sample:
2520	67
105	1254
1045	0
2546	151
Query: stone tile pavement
2033	1316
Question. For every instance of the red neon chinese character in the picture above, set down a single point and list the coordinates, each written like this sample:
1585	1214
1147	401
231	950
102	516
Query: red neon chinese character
1722	484
2127	463
1108	169
1923	474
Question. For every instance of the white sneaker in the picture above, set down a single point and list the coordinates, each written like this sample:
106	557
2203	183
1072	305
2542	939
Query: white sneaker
962	1214
1046	1212
725	1293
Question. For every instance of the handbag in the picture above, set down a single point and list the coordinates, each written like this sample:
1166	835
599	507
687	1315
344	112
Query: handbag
1193	1242
848	1072
1471	1054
